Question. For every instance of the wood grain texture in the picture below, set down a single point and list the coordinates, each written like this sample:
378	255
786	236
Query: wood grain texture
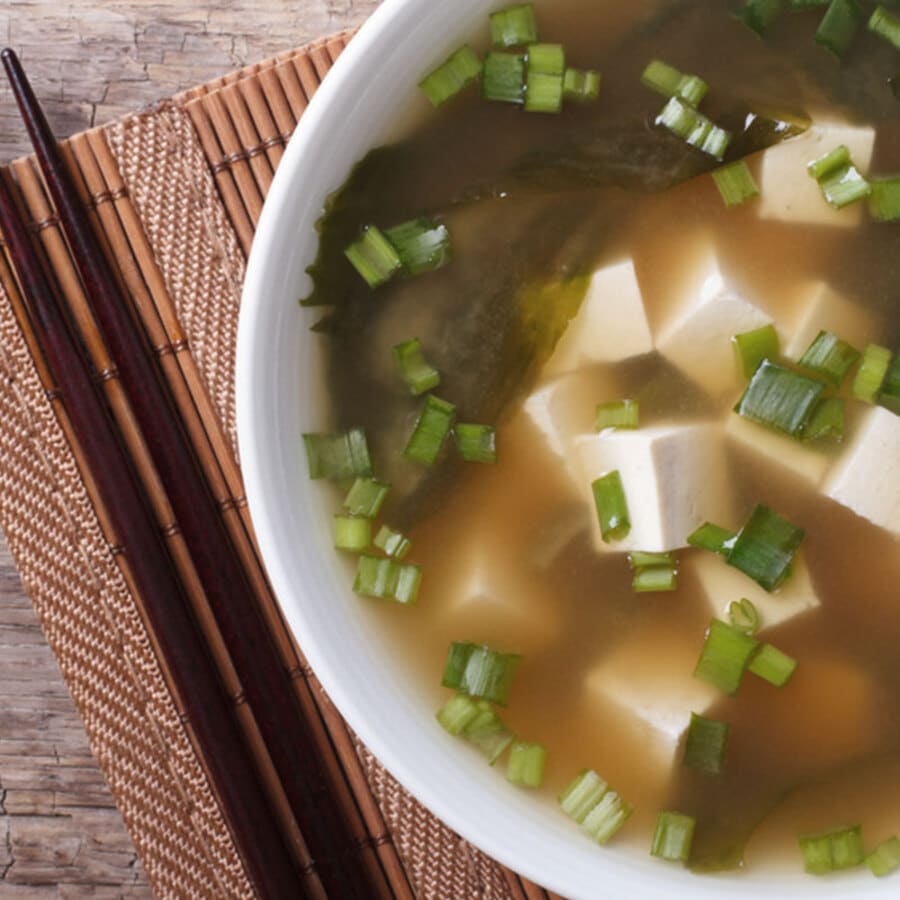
60	834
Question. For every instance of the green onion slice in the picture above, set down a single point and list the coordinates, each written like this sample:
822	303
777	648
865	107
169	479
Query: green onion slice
423	245
392	543
457	713
884	201
705	745
525	765
338	456
640	559
617	414
889	396
476	443
735	183
885	858
582	86
871	373
543	93
655	580
759	14
419	375
452	76
487	732
713	538
830	357
503	77
668	81
765	548
694	128
514	26
549	59
374	257
839	25
773	666
434	424
844	187
612	508
725	656
479	671
387	579
366	497
832	851
607	817
352	534
831	162
885	25
744	616
827	420
752	347
673	836
780	398
585	791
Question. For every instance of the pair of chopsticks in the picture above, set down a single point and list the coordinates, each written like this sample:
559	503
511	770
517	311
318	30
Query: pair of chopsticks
272	864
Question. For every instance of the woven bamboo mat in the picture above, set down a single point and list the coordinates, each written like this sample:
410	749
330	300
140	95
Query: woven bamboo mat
175	193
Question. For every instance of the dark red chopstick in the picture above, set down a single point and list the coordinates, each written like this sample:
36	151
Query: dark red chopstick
296	755
201	692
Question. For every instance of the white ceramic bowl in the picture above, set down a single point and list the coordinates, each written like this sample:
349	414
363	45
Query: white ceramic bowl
279	394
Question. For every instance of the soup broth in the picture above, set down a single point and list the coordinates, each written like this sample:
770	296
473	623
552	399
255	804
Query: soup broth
535	204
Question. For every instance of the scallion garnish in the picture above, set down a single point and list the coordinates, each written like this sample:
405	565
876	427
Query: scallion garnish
374	257
476	443
584	792
765	547
607	817
840	181
885	25
889	396
668	81
525	765
366	497
780	398
352	534
713	538
885	858
487	732
752	347
639	559
736	183
617	414
387	579
839	25
456	714
832	851
673	836
612	508
759	14
772	665
423	245
448	79
479	671
582	86
392	543
744	616
694	128
419	375
831	162
514	26
871	373
550	59
725	656
503	77
544	78
338	456
655	579
827	420
830	357
434	424
884	201
705	744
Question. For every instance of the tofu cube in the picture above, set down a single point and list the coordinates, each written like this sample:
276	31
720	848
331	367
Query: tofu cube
822	309
722	584
705	313
611	325
779	451
789	193
674	478
866	476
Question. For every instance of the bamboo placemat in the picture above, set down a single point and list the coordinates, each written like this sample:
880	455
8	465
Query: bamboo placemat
175	194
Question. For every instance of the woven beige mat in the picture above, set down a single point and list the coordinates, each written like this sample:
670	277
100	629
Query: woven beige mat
176	193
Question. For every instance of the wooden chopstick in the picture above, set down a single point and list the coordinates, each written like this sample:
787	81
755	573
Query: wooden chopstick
208	709
295	754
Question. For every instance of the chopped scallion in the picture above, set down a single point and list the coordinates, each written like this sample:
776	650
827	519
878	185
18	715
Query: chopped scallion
885	25
419	375
705	744
476	443
582	86
773	666
884	201
612	508
434	424
585	791
514	26
338	456
673	836
549	59
831	162
889	396
885	858
871	373
744	616
844	187
655	579
457	713
839	25
366	497
525	765
694	128
668	81
392	543
488	733
618	414
752	347
448	79
780	398
479	671
423	245
713	538
639	559
374	257
736	183
830	357
827	420
607	817
832	851
352	534
760	14
503	78
725	656
765	548
543	93
387	579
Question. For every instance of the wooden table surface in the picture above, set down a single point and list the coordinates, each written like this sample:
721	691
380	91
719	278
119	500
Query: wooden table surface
60	834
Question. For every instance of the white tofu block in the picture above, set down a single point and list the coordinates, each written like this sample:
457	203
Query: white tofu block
866	476
789	193
778	451
823	309
674	478
722	584
700	321
611	325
